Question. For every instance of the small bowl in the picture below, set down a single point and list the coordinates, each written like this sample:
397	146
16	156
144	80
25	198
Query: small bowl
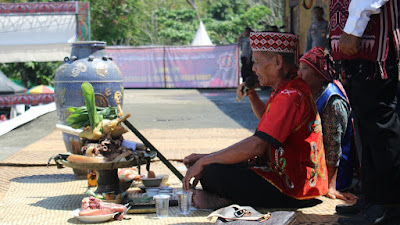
152	182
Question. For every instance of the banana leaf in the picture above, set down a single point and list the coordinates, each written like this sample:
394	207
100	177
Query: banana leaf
88	94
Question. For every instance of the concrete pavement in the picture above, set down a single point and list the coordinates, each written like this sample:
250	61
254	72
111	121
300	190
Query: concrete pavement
176	121
157	109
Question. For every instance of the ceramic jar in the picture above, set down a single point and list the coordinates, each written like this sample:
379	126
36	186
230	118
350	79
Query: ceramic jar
88	62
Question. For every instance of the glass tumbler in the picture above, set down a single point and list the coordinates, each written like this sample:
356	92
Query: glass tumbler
184	202
162	205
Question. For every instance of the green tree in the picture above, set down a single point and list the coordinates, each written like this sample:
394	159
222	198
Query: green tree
277	11
174	22
224	21
160	22
31	73
176	27
113	21
225	10
225	29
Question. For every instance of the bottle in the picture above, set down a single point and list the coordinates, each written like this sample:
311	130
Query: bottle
92	178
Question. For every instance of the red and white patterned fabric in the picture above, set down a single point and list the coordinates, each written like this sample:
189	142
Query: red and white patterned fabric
295	162
11	100
374	42
315	58
274	42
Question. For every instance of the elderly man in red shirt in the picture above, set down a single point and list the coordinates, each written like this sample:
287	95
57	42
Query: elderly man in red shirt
283	163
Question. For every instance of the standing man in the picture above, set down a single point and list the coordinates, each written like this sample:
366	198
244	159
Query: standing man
245	57
318	31
365	40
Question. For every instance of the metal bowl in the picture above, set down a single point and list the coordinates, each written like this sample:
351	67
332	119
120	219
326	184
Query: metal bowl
152	182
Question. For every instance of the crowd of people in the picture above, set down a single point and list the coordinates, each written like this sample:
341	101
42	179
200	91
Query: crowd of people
305	143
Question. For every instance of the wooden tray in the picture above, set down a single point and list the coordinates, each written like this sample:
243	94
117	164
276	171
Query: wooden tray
106	165
99	165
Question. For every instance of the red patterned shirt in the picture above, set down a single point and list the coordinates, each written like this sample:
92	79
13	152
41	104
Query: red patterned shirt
295	162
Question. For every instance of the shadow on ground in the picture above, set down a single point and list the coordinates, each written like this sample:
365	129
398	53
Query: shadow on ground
241	112
62	202
45	178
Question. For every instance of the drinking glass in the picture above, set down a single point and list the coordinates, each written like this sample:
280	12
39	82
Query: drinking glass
184	202
162	205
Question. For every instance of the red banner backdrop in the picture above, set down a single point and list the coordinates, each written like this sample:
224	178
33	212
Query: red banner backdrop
34	99
178	67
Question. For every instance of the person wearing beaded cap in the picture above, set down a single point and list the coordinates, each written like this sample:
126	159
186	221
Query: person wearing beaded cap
336	117
283	163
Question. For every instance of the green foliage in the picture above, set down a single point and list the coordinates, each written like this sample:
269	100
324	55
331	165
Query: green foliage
80	116
113	21
176	27
226	9
255	17
226	31
90	102
173	22
158	22
31	73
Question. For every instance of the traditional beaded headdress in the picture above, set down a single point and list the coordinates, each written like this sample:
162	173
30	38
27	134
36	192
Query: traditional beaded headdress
316	59
274	42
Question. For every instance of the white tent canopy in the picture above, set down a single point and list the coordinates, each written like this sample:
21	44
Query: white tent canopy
41	31
9	87
36	37
201	37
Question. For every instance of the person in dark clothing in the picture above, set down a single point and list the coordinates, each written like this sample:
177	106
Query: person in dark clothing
367	45
317	34
245	54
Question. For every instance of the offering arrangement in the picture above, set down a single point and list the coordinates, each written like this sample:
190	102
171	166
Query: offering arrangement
102	149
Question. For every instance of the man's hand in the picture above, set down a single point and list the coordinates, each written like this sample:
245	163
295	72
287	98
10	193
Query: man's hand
191	159
193	171
239	89
349	44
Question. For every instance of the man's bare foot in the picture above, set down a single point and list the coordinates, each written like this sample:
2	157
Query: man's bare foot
205	200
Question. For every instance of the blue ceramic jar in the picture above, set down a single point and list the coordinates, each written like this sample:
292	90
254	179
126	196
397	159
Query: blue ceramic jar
88	62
